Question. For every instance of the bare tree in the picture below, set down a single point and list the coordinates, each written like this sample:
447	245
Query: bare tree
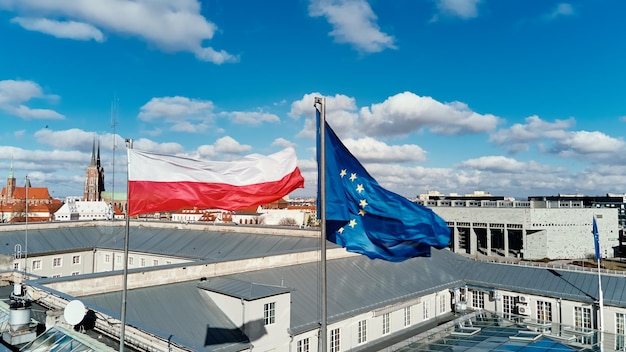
288	222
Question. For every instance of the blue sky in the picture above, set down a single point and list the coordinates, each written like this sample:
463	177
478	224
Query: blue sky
515	98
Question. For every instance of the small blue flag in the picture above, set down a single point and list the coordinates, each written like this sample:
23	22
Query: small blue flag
365	218
596	238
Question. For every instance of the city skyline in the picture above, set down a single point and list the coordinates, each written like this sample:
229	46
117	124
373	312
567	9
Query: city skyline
515	99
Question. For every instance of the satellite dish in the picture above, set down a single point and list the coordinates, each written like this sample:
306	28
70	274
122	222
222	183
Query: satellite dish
74	312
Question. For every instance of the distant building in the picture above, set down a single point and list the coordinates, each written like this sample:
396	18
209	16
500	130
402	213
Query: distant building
94	179
528	229
13	202
77	209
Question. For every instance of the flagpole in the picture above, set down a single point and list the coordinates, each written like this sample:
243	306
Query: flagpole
321	203
129	145
596	240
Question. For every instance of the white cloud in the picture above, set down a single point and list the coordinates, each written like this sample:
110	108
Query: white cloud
228	145
252	117
283	143
562	10
172	26
152	146
407	112
340	113
353	23
593	144
370	150
502	164
181	113
13	95
61	29
518	136
464	9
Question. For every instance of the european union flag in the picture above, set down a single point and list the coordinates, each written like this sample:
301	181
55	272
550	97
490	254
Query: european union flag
596	238
365	218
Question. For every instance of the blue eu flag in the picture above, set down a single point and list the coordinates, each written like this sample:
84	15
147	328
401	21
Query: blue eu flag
596	238
365	218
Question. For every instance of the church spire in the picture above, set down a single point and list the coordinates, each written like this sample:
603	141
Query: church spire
11	171
93	152
98	158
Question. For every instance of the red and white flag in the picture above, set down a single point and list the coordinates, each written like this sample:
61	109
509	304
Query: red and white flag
158	182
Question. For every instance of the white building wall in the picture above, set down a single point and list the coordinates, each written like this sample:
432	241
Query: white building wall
57	265
109	260
274	216
272	337
567	230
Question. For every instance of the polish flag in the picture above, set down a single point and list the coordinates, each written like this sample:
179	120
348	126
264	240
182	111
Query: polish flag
158	182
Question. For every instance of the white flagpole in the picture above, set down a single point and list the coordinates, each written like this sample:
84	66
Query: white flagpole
600	298
129	145
321	204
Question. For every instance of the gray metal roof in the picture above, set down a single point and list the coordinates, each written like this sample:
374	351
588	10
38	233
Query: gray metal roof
548	282
192	244
178	311
242	289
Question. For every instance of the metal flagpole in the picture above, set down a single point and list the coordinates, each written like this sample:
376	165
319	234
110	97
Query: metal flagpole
322	208
129	145
601	307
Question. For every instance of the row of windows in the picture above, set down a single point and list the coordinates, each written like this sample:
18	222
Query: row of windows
131	260
335	334
57	262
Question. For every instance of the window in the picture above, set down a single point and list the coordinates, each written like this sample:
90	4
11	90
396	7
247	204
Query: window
478	299
155	262
507	306
544	312
131	261
269	313
56	262
36	265
302	345
582	321
335	345
56	275
386	323
620	344
16	266
143	261
76	259
407	316
425	308
118	259
169	262
362	338
75	273
442	304
107	258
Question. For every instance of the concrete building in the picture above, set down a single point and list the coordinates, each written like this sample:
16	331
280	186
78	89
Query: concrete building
76	209
241	288
528	229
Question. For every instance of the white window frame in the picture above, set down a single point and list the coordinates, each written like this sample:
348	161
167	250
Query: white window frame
407	316
57	262
36	264
335	340
362	335
303	345
425	310
75	259
269	313
386	323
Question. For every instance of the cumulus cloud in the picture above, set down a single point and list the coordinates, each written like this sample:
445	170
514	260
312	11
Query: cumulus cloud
370	150
155	147
251	117
407	112
13	95
518	136
61	29
592	144
562	10
283	143
502	164
181	113
464	9
172	26
340	113
354	22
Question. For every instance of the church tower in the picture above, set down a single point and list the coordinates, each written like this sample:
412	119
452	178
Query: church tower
10	186
94	178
